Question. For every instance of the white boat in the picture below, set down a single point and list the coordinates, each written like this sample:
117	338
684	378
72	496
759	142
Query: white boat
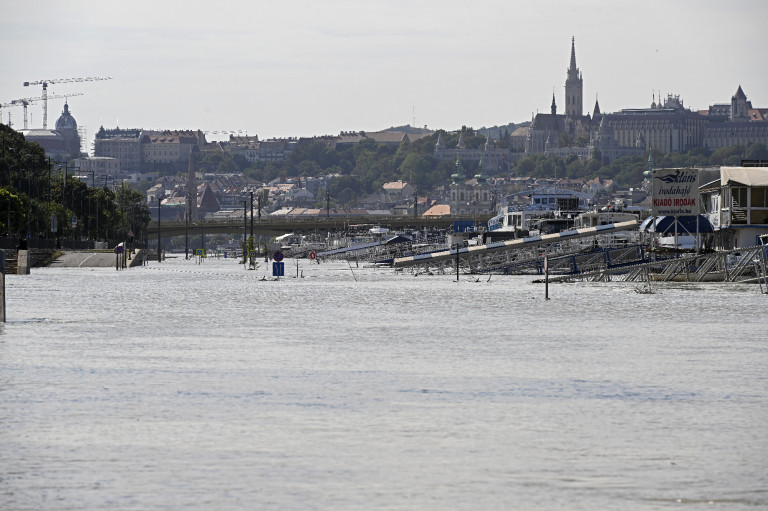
604	216
556	207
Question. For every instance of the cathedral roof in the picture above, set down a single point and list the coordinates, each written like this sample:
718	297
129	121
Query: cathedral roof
66	121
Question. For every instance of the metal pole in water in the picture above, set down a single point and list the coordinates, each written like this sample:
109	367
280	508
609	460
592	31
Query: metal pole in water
2	286
245	232
546	277
186	236
159	244
457	262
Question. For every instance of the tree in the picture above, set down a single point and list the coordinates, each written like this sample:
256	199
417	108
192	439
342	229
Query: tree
756	151
726	155
565	140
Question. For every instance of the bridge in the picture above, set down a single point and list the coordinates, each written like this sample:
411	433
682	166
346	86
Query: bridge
283	224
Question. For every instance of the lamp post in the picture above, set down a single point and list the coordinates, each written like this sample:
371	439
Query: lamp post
64	189
93	186
186	231
245	231
9	194
251	214
48	204
159	243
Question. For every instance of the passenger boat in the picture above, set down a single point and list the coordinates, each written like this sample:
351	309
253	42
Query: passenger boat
549	210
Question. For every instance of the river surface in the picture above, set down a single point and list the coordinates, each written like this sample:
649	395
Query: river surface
181	385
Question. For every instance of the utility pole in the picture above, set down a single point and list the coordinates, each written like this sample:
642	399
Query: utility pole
327	204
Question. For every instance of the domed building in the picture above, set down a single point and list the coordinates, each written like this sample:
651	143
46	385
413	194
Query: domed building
61	143
67	127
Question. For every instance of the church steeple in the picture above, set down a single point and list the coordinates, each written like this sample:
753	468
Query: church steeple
459	176
573	55
739	105
553	108
573	86
440	144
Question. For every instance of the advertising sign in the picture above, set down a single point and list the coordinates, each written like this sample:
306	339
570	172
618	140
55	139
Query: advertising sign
675	192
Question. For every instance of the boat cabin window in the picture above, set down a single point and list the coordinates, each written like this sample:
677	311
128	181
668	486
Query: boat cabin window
759	197
739	197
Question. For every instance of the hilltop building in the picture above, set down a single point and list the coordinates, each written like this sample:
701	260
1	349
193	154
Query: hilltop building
61	143
495	159
148	151
255	150
666	126
735	123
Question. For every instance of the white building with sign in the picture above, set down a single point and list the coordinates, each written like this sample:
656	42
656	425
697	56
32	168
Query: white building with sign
737	206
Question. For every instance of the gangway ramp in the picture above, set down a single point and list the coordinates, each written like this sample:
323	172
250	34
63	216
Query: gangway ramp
483	255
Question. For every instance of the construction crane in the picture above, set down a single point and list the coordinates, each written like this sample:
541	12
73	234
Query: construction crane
45	83
6	105
25	102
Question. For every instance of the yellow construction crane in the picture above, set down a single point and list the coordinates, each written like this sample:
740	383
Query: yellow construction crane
45	83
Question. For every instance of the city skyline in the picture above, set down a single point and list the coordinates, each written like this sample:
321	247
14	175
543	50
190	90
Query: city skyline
305	68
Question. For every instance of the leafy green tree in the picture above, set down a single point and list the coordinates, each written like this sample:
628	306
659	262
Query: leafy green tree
724	155
756	151
565	140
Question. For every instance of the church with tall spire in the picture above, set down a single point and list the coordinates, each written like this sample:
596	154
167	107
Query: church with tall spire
574	86
549	127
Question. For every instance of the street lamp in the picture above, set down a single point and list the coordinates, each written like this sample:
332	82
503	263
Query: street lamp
9	195
93	186
159	243
245	230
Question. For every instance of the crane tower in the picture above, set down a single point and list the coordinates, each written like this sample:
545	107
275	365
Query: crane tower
25	102
45	83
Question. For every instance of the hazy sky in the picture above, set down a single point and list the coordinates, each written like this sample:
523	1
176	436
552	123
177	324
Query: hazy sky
303	68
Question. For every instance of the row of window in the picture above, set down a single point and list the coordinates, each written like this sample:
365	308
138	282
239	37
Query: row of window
477	196
755	197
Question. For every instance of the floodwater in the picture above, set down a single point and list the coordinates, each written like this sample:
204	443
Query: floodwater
199	386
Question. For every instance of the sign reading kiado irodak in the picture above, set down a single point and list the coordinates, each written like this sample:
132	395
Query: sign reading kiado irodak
675	192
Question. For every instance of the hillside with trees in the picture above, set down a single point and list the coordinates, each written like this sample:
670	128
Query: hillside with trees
362	169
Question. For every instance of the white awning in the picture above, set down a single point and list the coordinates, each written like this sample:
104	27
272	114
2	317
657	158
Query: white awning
748	176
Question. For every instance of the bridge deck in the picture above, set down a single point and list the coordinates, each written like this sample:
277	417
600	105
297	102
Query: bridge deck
284	224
